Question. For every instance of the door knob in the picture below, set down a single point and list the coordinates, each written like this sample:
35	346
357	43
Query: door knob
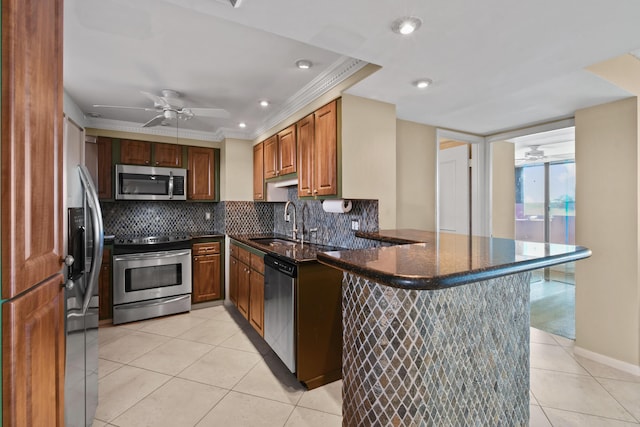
68	260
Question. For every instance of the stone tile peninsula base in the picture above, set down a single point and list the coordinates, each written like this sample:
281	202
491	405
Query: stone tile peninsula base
453	356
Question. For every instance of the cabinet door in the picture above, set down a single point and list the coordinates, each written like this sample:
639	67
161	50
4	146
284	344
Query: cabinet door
325	182
135	152
104	287
31	154
33	351
167	155
104	168
287	150
243	289
256	301
234	277
206	278
200	176
271	157
305	155
258	172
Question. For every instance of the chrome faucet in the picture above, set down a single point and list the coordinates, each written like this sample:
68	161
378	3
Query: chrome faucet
294	232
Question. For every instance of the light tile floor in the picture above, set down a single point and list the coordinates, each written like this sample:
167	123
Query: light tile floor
209	368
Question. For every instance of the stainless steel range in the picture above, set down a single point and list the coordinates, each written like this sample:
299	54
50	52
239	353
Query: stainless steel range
151	276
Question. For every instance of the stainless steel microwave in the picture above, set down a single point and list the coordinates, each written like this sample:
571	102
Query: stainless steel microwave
150	183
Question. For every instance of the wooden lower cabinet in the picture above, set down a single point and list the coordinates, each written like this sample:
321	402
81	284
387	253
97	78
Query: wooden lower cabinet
33	351
246	285
256	294
234	265
105	287
206	272
243	289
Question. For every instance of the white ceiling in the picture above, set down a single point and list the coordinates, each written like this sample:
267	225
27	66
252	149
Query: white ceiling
495	64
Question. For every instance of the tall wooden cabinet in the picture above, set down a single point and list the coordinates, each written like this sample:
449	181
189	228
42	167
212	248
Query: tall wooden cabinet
258	172
105	171
33	340
318	152
201	174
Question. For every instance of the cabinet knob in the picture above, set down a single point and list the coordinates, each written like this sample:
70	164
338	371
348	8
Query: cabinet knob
157	163
315	191
146	162
308	191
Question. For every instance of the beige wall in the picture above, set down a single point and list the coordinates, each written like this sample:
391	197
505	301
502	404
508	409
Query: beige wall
503	189
607	284
236	170
416	176
369	154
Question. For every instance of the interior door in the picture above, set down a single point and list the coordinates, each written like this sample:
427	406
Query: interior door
454	189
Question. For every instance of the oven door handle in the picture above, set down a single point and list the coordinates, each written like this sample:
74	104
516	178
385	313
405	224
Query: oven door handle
98	238
151	303
151	255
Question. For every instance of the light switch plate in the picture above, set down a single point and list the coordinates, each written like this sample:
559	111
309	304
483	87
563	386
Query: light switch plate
355	225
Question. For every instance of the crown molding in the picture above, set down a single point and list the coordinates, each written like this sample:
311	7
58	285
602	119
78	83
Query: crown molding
339	71
335	74
133	127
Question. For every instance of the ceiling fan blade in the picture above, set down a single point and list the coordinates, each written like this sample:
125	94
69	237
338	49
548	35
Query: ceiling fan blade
123	107
155	121
157	100
210	112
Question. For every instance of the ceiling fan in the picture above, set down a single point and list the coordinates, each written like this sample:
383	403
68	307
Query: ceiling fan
533	154
170	106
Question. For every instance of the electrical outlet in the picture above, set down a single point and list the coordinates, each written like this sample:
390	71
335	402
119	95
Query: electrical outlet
287	217
207	215
355	225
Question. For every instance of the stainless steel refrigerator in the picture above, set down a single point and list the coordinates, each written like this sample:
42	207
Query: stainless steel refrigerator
85	244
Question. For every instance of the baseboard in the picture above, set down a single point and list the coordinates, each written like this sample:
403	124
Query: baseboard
620	365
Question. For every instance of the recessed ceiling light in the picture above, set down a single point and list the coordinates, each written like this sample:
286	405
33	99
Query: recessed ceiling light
303	64
242	125
422	83
406	25
264	103
94	115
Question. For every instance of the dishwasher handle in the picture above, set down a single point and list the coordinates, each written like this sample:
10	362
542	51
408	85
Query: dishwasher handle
283	266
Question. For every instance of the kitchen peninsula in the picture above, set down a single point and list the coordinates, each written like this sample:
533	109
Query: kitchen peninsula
437	332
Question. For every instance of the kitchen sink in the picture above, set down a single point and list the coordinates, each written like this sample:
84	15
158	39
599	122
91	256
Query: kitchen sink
274	241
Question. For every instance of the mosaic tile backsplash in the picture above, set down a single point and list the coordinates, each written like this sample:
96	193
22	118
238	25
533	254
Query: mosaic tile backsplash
451	357
334	229
128	217
236	217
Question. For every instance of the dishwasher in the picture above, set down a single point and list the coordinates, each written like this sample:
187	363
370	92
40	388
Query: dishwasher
279	308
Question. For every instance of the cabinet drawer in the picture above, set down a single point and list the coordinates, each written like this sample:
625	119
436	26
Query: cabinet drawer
244	256
257	263
206	248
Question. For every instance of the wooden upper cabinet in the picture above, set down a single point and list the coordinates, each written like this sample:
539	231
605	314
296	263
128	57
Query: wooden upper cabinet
201	174
135	152
325	169
33	352
271	157
305	155
167	155
105	170
287	150
31	152
258	172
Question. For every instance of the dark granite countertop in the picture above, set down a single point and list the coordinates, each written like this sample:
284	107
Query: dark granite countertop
297	253
401	236
449	260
